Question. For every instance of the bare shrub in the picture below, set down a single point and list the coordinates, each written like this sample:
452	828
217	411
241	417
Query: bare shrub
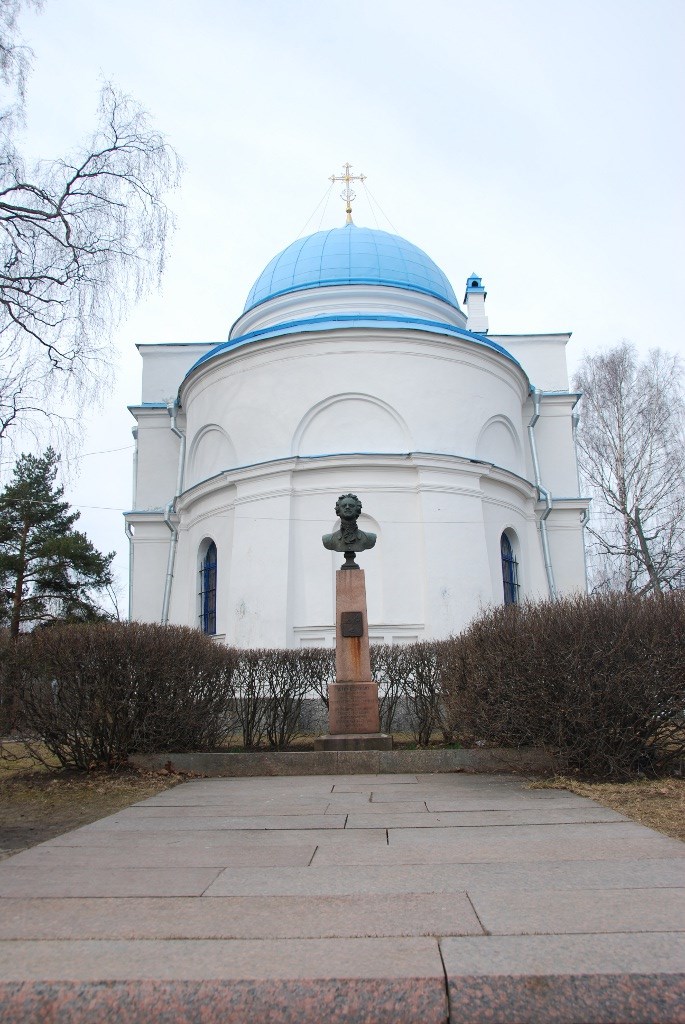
420	669
249	696
286	690
93	694
599	679
387	669
317	665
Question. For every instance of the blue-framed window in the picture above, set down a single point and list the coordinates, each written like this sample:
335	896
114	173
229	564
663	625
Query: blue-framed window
208	590
510	571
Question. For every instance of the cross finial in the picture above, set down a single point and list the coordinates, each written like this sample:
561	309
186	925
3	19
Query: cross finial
347	194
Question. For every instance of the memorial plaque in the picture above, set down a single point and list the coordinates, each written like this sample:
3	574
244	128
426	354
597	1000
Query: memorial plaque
353	708
352	624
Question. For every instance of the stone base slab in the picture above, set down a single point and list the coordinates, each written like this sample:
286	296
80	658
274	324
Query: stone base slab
352	762
234	1001
354	741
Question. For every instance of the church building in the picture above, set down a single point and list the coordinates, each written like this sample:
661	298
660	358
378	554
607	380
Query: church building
353	368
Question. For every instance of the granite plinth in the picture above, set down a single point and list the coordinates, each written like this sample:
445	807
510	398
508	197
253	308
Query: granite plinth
354	741
353	709
352	659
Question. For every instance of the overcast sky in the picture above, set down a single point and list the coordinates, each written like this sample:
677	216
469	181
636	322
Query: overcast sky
538	143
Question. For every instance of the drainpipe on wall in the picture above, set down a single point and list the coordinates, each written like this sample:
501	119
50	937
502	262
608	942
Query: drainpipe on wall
543	493
170	508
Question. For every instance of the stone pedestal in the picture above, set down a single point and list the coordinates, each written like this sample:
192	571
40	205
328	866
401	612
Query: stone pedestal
353	721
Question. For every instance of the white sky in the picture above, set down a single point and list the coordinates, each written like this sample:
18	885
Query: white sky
538	143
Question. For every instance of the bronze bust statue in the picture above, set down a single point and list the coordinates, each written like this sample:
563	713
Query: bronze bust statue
349	538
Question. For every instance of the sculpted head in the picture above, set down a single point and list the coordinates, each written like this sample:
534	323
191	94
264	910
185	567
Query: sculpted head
348	507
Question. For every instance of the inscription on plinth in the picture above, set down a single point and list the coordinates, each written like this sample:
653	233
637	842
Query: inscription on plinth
353	708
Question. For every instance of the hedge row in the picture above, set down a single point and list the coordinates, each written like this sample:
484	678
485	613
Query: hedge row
600	681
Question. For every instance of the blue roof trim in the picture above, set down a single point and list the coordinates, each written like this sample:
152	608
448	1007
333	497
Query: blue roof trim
342	321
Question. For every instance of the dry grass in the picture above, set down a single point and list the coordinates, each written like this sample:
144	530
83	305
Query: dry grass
657	803
39	802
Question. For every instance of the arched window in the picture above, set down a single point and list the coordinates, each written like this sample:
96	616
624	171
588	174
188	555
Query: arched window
510	573
208	590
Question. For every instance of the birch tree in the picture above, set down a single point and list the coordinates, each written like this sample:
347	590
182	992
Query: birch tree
81	237
631	456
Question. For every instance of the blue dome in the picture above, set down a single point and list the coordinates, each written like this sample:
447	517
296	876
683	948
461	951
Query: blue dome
350	255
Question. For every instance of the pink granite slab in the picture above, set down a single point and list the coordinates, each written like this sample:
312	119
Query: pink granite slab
150	853
220	839
389	981
374	811
212	959
236	917
233	1001
508	843
513	802
434	878
552	912
594	979
218	811
69	880
130	821
395	817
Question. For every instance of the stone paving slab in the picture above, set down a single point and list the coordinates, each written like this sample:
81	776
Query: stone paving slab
389	981
126	822
498	879
209	903
148	853
68	880
394	817
84	845
529	843
554	913
593	979
374	810
247	809
236	917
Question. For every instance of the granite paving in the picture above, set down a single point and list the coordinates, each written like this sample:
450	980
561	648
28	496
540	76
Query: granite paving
365	898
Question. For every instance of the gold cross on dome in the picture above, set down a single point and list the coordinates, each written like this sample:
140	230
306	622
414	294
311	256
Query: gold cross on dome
347	194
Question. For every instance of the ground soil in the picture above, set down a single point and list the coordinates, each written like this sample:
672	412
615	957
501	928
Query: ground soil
38	803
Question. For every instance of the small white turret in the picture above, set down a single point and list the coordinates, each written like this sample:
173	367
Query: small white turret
474	300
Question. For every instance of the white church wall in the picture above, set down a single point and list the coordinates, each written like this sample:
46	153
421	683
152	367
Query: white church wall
258	587
542	356
211	451
150	551
419	394
165	366
351	423
566	547
157	462
499	442
556	445
335	300
272	427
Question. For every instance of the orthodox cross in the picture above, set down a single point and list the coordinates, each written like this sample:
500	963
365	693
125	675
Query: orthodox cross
347	194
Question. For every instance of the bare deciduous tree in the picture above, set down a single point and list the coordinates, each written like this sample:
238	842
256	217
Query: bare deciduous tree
630	447
80	237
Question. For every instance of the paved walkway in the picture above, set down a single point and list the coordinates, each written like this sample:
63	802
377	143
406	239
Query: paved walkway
381	899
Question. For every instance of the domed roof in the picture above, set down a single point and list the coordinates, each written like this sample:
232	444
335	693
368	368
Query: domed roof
350	255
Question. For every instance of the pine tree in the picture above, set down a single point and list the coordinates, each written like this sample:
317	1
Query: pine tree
48	570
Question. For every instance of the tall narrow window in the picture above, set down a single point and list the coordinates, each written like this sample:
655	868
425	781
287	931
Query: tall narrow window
208	590
510	573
